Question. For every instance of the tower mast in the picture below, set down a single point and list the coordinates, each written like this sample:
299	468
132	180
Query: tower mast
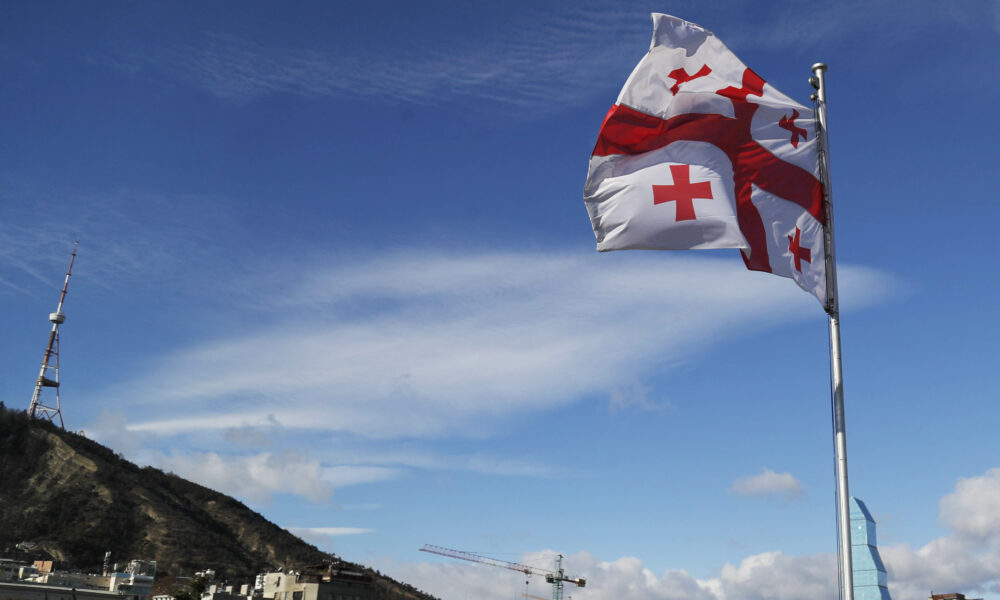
50	362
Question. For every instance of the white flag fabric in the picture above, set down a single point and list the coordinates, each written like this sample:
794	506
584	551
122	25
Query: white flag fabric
700	152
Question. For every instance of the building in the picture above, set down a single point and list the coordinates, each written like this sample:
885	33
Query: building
317	582
953	596
136	582
137	578
226	592
870	580
12	570
34	591
42	581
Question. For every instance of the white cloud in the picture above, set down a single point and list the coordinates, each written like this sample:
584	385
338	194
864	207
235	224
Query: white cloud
345	475
323	537
636	397
972	511
945	564
255	477
424	344
768	483
770	575
111	429
331	531
773	575
966	560
476	462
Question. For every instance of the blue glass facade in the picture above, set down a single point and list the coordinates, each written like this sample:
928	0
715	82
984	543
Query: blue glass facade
869	573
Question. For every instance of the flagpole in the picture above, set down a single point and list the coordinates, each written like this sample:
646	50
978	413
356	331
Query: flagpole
836	371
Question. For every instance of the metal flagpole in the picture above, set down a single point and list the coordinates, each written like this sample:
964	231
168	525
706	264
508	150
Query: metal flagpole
836	372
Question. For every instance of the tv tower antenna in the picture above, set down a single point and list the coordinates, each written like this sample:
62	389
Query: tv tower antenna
50	362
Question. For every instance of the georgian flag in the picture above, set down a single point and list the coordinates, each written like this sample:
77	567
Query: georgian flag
700	152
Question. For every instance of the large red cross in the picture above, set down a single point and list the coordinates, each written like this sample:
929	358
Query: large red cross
683	192
789	124
681	75
800	253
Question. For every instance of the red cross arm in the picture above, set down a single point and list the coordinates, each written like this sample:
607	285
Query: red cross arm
799	253
788	124
683	192
681	76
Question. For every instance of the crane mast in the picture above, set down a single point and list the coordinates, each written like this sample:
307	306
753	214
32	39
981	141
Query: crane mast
556	578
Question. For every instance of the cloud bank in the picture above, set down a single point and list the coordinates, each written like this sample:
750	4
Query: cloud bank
966	560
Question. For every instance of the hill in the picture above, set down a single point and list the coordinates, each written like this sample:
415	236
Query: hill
76	499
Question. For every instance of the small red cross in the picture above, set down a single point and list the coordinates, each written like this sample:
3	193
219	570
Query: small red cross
798	252
681	75
683	192
789	124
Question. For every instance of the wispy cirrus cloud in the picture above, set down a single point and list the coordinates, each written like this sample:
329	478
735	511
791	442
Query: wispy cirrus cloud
419	345
423	344
328	531
636	397
258	477
125	234
295	466
476	462
324	537
549	62
555	58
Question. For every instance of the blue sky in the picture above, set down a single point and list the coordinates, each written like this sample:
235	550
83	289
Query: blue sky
334	260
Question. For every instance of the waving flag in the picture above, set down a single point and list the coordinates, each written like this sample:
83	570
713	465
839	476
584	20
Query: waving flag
700	152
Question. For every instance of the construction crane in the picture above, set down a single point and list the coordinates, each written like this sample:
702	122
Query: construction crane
556	578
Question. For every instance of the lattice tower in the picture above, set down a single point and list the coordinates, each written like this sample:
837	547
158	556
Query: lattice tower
48	376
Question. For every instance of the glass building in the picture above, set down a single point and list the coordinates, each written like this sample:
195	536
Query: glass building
870	581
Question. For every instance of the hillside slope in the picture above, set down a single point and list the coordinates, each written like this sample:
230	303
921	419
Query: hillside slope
76	500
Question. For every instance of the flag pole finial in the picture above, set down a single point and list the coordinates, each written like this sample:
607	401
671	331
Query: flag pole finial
818	81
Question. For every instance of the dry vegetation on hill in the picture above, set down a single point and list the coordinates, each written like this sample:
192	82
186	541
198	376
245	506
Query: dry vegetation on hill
77	499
